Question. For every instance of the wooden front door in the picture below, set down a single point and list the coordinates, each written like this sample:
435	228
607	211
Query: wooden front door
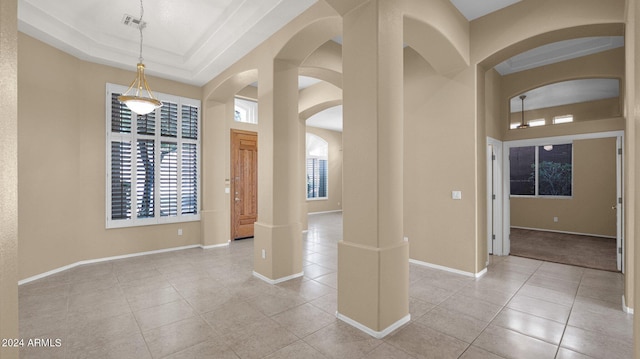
244	183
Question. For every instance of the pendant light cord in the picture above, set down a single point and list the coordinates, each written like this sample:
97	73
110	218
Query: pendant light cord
140	27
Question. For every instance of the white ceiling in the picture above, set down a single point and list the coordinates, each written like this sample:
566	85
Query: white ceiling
567	92
559	51
473	9
192	41
330	119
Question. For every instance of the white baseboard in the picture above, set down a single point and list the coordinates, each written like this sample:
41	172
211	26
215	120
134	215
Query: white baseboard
625	308
106	259
335	211
216	245
371	332
447	269
279	280
565	232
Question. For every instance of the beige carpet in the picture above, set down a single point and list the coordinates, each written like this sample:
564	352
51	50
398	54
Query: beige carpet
583	251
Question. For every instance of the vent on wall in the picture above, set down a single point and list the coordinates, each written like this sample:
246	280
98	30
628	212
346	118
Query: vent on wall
133	22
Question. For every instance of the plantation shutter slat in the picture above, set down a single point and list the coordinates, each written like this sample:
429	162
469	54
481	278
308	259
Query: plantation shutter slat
189	178
120	116
147	124
169	119
189	122
145	179
169	179
120	180
322	178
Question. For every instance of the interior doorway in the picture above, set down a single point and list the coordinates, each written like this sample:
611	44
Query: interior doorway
244	183
499	242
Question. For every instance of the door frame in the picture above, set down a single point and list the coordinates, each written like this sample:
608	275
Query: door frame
620	248
494	198
619	135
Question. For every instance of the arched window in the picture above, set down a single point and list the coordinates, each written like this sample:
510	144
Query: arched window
317	167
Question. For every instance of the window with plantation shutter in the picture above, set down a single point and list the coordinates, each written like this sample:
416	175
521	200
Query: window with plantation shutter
153	162
317	167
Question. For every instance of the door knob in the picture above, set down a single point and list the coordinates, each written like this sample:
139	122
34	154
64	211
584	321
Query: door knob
237	199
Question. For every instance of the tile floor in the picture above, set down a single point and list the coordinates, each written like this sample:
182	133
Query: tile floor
206	304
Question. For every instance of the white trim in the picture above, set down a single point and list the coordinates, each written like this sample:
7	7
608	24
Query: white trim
279	280
106	259
495	206
620	247
371	332
564	232
335	211
447	269
625	308
558	140
216	245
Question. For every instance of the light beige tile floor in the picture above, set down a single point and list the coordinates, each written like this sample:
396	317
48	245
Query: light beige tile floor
206	304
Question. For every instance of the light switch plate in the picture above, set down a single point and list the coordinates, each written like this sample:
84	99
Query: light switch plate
456	194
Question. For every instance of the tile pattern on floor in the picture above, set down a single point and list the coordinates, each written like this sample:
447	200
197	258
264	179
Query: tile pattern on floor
199	303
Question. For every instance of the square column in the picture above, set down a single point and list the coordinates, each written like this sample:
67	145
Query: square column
373	259
278	233
214	220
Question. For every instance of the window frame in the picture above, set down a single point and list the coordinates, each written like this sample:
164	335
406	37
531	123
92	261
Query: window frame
158	139
561	119
249	106
537	146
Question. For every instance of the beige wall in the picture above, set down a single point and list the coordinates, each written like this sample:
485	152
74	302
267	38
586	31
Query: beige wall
439	150
334	198
62	163
9	175
589	210
493	99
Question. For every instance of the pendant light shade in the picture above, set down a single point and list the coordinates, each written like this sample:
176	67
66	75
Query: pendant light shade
138	96
522	123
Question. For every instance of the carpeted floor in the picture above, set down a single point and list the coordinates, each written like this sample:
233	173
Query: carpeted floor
583	251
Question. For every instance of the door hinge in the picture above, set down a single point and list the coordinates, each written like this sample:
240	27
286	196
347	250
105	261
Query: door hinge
493	196
493	157
620	250
493	236
620	151
620	200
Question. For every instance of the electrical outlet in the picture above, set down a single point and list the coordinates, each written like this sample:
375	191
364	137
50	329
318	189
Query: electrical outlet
264	254
179	231
555	219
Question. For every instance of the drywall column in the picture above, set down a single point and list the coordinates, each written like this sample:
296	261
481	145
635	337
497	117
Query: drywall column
214	220
632	170
373	259
278	234
9	175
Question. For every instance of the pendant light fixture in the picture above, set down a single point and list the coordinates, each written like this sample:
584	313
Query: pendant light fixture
522	123
139	97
